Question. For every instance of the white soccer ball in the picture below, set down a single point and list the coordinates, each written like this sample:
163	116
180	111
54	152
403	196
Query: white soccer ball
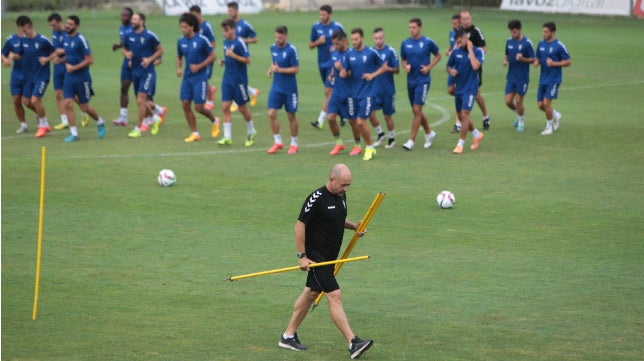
166	178
446	199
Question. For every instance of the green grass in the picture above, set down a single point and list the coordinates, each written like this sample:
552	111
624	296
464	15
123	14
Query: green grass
541	258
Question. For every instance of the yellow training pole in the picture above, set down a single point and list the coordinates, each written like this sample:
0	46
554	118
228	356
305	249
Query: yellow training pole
295	268
363	224
40	218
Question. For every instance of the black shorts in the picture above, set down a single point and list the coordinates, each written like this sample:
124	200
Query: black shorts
322	279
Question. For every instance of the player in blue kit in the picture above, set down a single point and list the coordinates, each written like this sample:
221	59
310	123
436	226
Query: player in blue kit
519	54
416	58
320	38
205	29
234	83
341	101
244	31
11	51
463	64
198	52
57	36
36	52
455	23
78	81
552	55
363	65
126	71
284	67
385	89
478	40
142	48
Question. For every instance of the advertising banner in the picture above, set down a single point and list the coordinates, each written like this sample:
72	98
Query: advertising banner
209	7
591	7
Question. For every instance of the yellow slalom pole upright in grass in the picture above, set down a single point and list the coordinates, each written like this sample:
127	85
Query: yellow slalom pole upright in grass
361	227
40	219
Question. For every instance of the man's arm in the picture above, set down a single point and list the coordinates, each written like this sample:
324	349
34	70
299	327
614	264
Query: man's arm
197	67
300	244
89	60
236	57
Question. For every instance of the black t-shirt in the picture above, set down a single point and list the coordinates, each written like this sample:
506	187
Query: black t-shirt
324	214
476	36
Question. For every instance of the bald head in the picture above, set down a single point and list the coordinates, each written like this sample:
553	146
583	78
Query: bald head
339	179
338	169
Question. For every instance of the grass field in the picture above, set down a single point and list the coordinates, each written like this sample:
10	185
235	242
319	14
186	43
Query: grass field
542	257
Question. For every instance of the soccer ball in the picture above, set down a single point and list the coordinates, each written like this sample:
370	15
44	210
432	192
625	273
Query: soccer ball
166	178
446	199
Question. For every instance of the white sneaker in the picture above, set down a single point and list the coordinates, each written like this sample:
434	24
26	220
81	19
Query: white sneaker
22	130
555	121
379	140
409	145
429	138
547	131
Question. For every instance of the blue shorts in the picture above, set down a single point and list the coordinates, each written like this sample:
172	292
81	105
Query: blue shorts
126	71
16	84
78	87
236	92
519	88
145	82
325	71
209	69
344	107
365	107
417	93
59	77
194	90
385	102
465	101
34	88
288	101
549	91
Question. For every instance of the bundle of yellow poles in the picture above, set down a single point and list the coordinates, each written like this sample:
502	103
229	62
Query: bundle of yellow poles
361	227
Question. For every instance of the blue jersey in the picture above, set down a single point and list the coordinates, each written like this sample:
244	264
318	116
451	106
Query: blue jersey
195	50
384	83
142	45
57	39
13	45
76	48
285	57
243	29
324	50
467	79
205	29
235	71
360	62
518	72
32	49
452	39
124	30
342	87
556	51
417	53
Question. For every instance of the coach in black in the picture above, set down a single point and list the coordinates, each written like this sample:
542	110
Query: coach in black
478	40
318	237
